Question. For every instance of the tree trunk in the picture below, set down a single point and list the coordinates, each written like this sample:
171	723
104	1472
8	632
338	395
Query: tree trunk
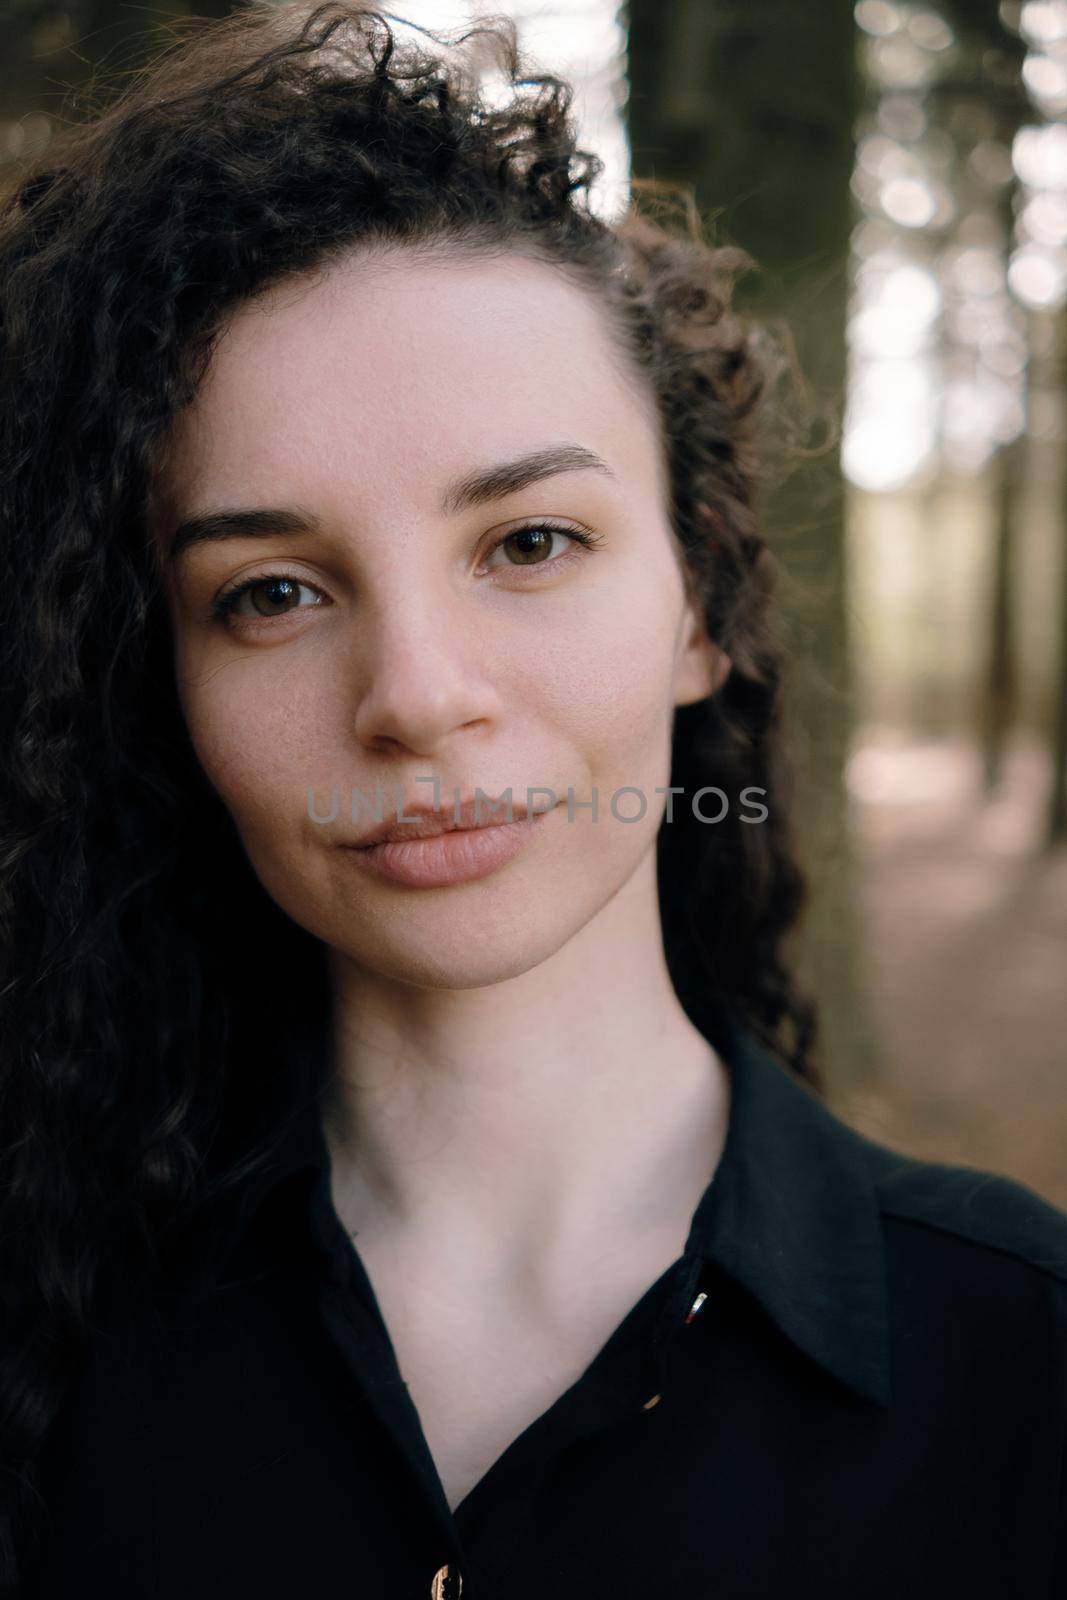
999	696
67	58
754	103
1057	810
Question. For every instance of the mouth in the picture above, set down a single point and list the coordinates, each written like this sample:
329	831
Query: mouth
413	854
422	822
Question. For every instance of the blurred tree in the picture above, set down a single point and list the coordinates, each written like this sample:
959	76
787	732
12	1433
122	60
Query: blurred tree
754	102
983	101
1056	834
999	691
991	76
60	54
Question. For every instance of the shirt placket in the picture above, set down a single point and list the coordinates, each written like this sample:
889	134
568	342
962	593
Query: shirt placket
637	1380
348	1307
374	1369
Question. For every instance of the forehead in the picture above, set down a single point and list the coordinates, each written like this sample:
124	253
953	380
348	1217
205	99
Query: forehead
393	369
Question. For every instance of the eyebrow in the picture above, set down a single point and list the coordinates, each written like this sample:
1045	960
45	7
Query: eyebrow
476	488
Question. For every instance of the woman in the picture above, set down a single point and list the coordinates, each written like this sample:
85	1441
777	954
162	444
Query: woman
416	1179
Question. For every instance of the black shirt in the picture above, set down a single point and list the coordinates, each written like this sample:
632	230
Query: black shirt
853	1382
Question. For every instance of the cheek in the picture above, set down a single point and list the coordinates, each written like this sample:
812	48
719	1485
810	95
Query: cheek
258	735
620	703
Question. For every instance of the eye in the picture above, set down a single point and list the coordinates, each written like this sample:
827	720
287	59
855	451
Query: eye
532	546
271	595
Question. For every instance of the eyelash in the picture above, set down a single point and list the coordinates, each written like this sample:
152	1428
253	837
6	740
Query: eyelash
223	607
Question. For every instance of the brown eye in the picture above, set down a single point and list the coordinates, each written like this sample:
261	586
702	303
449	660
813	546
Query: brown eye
272	596
531	545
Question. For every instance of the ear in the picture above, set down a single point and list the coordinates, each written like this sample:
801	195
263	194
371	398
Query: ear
702	667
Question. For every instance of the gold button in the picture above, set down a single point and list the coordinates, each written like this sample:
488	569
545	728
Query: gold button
447	1583
656	1398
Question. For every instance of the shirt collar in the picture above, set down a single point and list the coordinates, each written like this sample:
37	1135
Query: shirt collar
791	1213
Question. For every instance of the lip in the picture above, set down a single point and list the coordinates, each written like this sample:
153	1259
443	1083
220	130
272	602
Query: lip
452	855
417	820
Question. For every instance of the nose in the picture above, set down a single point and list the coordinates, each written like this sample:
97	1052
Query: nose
422	675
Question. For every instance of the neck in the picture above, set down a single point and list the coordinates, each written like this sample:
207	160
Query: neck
530	1116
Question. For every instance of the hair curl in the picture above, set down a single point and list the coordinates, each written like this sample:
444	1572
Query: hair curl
137	944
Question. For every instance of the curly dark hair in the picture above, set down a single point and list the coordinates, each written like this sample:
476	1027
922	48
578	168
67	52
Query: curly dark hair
137	944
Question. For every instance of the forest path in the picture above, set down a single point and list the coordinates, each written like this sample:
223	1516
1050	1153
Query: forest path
967	960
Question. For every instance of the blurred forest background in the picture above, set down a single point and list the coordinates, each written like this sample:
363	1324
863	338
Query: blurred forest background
898	172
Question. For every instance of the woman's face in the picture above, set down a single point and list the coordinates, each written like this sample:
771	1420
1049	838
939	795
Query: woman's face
413	639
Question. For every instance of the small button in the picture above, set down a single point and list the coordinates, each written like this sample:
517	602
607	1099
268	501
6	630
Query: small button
447	1583
695	1307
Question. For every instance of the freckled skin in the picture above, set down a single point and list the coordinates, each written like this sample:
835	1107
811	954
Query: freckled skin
358	395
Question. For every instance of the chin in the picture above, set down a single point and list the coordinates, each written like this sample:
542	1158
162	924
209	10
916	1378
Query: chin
465	937
473	955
